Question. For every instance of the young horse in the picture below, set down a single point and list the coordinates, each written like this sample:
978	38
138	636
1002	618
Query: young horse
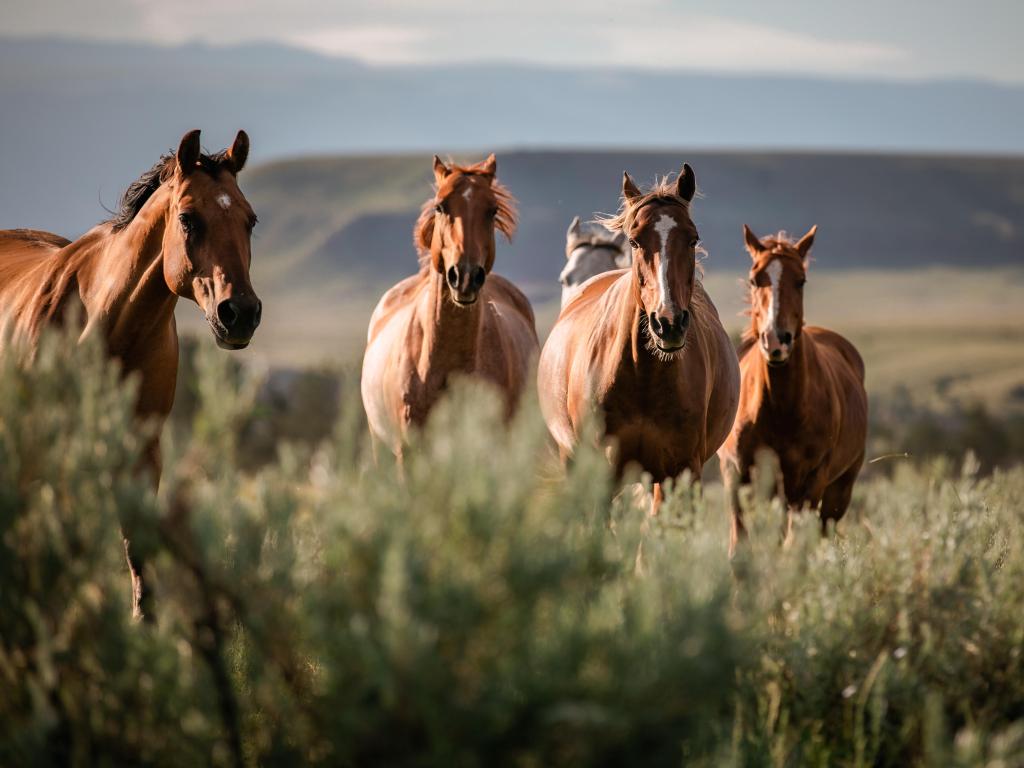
590	249
455	316
802	395
644	347
183	231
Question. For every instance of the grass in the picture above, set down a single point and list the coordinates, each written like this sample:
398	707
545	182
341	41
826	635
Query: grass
486	607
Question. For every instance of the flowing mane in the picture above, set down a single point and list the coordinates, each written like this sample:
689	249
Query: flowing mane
140	190
423	232
663	191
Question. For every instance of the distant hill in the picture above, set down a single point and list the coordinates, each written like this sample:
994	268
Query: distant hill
352	217
80	120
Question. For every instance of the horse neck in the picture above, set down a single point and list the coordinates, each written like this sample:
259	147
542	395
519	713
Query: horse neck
451	334
128	294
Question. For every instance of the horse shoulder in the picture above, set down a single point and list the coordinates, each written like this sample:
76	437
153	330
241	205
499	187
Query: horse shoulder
396	298
841	350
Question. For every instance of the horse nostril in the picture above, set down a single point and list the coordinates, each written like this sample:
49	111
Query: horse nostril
684	320
655	324
453	277
478	277
227	313
257	314
786	338
776	354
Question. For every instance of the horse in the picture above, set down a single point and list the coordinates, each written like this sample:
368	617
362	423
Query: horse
644	348
802	394
590	249
455	316
182	230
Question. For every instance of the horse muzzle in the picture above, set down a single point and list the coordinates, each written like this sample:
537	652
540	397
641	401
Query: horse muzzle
670	331
464	283
776	347
235	321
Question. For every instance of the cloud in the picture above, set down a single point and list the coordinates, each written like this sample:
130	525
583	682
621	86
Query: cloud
371	43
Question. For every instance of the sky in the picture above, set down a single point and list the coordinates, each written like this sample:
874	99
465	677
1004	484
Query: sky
866	39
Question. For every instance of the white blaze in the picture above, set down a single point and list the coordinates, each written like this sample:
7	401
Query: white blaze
223	200
774	271
664	228
467	192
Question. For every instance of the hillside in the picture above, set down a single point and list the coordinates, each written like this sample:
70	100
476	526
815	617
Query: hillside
351	217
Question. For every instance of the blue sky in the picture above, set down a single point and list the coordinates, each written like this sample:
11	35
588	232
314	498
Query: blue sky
891	39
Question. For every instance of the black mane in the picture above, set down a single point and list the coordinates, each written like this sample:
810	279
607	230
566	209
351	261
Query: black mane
143	188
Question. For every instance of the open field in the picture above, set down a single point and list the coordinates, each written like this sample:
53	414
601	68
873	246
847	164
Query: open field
941	332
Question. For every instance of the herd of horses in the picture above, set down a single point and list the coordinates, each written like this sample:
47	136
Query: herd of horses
638	342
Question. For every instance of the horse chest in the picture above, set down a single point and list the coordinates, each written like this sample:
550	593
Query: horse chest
661	433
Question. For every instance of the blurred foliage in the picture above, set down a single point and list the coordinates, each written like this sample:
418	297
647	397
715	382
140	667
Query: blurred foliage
484	606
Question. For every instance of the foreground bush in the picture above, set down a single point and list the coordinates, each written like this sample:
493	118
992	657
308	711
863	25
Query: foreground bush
480	607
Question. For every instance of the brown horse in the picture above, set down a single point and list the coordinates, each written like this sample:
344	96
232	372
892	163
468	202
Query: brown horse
803	392
183	230
644	347
455	316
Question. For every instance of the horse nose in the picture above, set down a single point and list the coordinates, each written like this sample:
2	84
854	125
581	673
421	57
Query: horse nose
465	281
477	276
672	328
240	315
786	338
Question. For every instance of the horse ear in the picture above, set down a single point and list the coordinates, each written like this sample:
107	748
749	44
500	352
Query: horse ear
188	152
239	152
803	246
574	228
754	246
490	166
630	190
441	170
686	184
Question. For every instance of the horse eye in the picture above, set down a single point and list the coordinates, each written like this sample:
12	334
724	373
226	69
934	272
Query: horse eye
187	223
695	242
801	283
492	211
753	283
633	243
439	208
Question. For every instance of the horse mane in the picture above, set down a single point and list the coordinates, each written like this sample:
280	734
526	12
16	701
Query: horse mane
140	190
423	232
779	245
663	191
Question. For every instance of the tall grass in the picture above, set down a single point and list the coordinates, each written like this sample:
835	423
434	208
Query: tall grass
481	607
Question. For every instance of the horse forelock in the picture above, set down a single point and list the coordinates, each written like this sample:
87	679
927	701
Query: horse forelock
140	190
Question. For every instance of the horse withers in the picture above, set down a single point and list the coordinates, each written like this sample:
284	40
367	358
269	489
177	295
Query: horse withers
455	316
183	231
802	393
590	249
644	348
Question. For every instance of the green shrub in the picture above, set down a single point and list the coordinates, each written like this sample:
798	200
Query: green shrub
480	605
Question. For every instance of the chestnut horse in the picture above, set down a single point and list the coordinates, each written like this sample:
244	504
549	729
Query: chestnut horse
644	348
454	316
183	230
803	392
590	249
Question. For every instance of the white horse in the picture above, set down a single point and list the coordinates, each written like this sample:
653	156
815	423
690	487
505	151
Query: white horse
591	249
